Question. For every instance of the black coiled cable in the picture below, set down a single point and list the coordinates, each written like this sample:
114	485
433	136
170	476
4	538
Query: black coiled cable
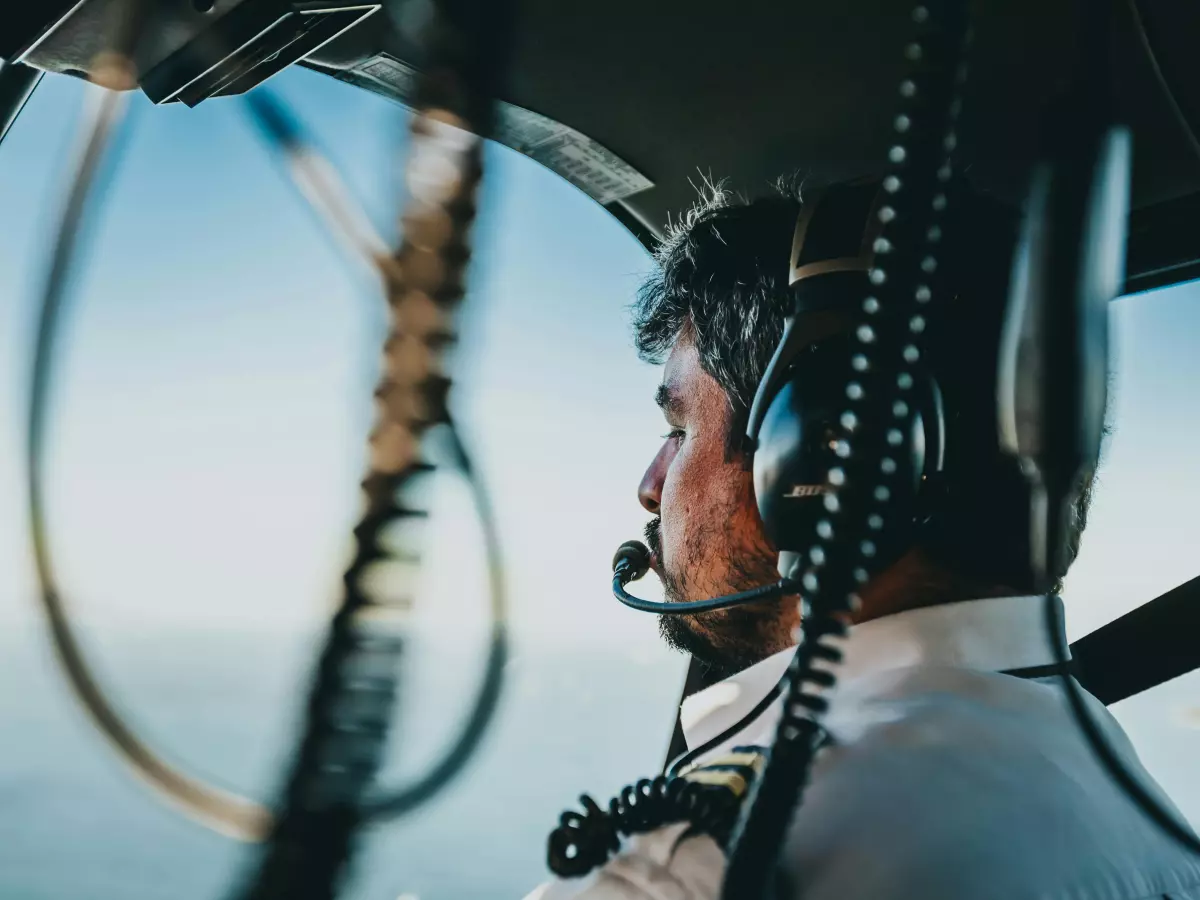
879	398
585	840
320	186
223	811
326	797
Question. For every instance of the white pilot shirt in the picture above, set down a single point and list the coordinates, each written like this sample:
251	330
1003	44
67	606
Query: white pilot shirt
945	779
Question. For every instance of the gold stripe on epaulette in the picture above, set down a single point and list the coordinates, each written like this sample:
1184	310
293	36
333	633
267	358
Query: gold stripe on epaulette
745	758
735	781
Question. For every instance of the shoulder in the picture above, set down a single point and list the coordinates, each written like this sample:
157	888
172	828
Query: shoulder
950	783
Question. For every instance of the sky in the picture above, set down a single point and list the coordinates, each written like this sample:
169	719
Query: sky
212	399
213	393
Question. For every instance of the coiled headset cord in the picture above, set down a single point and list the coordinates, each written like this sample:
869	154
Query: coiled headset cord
879	396
585	840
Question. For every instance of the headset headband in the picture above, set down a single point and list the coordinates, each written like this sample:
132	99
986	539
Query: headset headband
838	236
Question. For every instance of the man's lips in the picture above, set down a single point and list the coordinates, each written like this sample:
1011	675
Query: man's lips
654	563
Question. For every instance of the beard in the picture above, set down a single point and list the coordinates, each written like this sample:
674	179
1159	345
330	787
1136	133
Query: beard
724	641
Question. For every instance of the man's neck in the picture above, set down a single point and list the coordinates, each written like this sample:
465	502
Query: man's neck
915	581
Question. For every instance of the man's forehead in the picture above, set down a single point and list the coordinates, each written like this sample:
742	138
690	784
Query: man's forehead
681	360
683	377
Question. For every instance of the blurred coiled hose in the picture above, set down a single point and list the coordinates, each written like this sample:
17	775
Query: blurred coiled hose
879	383
352	700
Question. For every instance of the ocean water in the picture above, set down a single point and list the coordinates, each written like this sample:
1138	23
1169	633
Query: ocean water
75	824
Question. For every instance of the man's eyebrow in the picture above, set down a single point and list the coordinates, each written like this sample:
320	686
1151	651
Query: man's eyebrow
668	399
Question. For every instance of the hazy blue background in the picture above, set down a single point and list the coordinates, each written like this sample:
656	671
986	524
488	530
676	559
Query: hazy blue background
208	433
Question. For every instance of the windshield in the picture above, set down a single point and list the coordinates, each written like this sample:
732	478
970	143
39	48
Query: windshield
208	432
1142	531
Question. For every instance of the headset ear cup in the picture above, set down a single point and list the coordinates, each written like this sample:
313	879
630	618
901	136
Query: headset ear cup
798	443
972	510
792	459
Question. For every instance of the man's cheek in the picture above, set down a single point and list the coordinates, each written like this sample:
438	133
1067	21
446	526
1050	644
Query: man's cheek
669	501
674	514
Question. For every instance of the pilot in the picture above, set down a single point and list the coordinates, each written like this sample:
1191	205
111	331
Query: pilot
953	767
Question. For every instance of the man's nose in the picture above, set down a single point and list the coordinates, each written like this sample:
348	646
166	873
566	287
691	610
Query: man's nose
650	490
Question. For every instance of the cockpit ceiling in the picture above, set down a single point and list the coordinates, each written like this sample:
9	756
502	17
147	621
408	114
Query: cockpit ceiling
639	101
753	90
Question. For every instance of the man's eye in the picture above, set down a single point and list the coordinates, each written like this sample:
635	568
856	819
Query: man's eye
675	434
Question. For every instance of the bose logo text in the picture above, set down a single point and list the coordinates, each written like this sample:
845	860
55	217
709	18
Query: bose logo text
805	490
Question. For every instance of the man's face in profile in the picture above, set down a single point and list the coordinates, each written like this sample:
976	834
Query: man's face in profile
707	538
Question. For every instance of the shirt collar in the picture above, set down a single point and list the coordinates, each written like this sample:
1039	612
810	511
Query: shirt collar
992	635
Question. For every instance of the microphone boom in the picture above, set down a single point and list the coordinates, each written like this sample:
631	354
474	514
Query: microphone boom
632	561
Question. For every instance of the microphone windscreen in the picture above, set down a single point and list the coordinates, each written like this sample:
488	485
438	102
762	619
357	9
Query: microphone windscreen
636	555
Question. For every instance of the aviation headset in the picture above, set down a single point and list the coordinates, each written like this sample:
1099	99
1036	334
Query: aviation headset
965	501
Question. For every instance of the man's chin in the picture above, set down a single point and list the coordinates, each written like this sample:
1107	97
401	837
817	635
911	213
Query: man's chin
720	657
